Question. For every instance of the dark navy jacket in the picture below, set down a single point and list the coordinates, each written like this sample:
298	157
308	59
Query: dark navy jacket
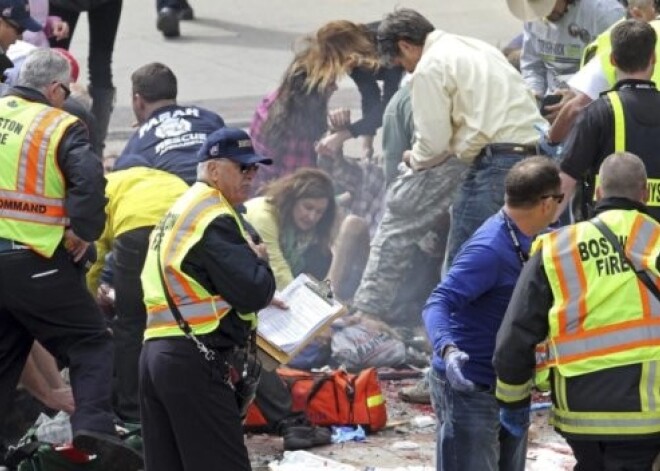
169	140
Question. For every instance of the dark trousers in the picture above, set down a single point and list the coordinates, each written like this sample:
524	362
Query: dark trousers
190	419
103	24
273	398
317	262
130	251
47	300
618	455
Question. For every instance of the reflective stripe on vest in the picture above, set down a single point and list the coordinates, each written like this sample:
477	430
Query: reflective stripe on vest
39	209
649	391
606	423
32	199
161	316
619	122
181	228
512	392
180	289
620	146
602	316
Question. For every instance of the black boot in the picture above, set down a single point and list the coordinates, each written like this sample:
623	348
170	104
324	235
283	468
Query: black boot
103	102
168	22
186	12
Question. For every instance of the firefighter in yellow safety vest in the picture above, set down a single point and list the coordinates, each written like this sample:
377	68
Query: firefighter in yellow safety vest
203	279
602	324
51	208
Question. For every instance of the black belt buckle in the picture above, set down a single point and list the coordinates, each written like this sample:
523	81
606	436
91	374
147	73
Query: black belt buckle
519	149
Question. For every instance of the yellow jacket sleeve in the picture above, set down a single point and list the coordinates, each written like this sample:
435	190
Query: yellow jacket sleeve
103	247
263	218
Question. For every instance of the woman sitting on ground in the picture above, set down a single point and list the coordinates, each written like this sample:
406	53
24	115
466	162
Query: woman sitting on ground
295	218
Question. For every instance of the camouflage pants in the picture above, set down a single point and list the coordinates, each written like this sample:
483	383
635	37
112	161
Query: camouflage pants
415	221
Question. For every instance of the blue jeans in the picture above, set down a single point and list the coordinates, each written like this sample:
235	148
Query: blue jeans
479	197
470	437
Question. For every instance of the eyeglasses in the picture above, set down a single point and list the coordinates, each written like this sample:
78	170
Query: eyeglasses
15	26
558	197
65	89
243	168
248	168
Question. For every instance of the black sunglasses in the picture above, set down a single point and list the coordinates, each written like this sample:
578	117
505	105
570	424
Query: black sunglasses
15	26
67	90
559	197
247	168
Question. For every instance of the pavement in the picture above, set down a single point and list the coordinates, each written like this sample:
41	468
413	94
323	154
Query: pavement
236	51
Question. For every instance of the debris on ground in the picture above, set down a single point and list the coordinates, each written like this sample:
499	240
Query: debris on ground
406	444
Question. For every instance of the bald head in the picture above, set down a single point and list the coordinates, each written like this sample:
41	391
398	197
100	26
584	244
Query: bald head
623	175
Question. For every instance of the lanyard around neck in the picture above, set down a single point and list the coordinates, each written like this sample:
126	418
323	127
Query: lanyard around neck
522	255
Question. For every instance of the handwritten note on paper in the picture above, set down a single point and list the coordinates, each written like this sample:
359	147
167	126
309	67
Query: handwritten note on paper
307	311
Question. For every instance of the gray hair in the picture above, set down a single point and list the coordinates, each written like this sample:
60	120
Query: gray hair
623	175
42	67
203	171
402	24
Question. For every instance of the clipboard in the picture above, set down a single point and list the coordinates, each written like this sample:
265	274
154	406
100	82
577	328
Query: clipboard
282	334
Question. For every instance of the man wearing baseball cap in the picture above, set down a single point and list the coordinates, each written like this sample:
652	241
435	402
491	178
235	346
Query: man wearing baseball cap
204	279
554	35
14	20
16	15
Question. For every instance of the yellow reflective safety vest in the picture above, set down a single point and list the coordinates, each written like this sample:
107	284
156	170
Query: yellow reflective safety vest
645	142
32	187
181	228
603	317
604	50
602	43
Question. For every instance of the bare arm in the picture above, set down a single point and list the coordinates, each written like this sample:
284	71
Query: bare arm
568	189
42	379
566	117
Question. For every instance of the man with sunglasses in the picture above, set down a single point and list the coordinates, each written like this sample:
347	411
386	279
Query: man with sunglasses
203	265
464	312
51	208
580	292
14	20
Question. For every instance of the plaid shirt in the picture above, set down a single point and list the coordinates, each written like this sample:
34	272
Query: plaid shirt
299	152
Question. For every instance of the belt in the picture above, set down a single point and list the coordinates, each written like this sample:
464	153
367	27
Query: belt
210	342
508	148
8	245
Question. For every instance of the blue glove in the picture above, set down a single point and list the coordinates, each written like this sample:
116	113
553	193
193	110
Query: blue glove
515	421
454	361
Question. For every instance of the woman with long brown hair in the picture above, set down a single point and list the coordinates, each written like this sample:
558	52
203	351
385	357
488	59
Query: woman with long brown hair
290	120
295	218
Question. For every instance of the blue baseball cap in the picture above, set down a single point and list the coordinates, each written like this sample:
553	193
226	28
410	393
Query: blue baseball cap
18	11
231	143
